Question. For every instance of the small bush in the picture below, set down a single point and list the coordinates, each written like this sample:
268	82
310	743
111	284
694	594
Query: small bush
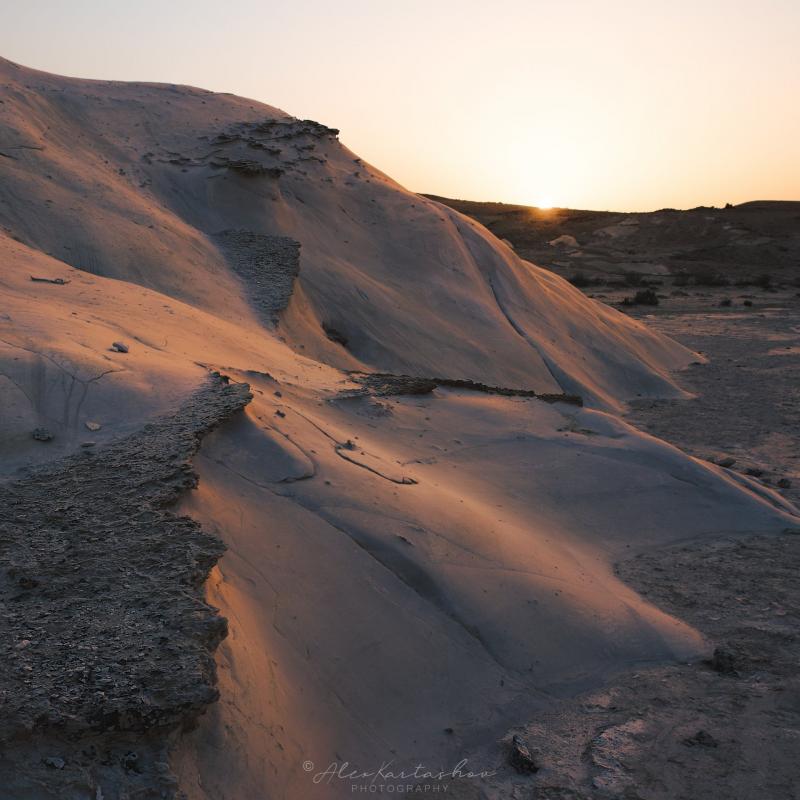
710	278
644	297
764	281
581	281
748	303
681	279
632	278
726	302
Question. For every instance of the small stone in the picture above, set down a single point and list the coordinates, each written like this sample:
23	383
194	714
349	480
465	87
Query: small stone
120	347
54	762
520	757
41	434
87	444
784	483
93	426
726	462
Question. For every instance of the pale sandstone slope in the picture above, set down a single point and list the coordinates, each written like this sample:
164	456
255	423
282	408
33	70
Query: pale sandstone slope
129	181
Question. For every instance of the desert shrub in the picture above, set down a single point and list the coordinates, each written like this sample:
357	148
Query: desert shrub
632	278
710	278
681	279
726	302
581	281
748	303
764	281
644	297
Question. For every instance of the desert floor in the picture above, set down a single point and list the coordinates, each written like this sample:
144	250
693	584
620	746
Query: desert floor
728	727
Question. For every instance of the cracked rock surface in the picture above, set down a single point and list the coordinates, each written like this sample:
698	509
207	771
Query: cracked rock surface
107	638
267	264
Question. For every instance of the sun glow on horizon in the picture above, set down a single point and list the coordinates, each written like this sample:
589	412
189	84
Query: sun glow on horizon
540	102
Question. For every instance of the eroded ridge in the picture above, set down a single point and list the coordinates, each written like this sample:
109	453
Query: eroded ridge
108	643
384	384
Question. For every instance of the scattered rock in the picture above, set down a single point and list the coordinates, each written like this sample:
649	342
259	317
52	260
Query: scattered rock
54	762
93	426
41	434
520	757
120	347
726	462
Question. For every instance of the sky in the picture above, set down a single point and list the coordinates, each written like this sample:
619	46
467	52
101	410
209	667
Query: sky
606	105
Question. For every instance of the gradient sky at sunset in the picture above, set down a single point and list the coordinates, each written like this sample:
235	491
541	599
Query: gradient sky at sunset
620	105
